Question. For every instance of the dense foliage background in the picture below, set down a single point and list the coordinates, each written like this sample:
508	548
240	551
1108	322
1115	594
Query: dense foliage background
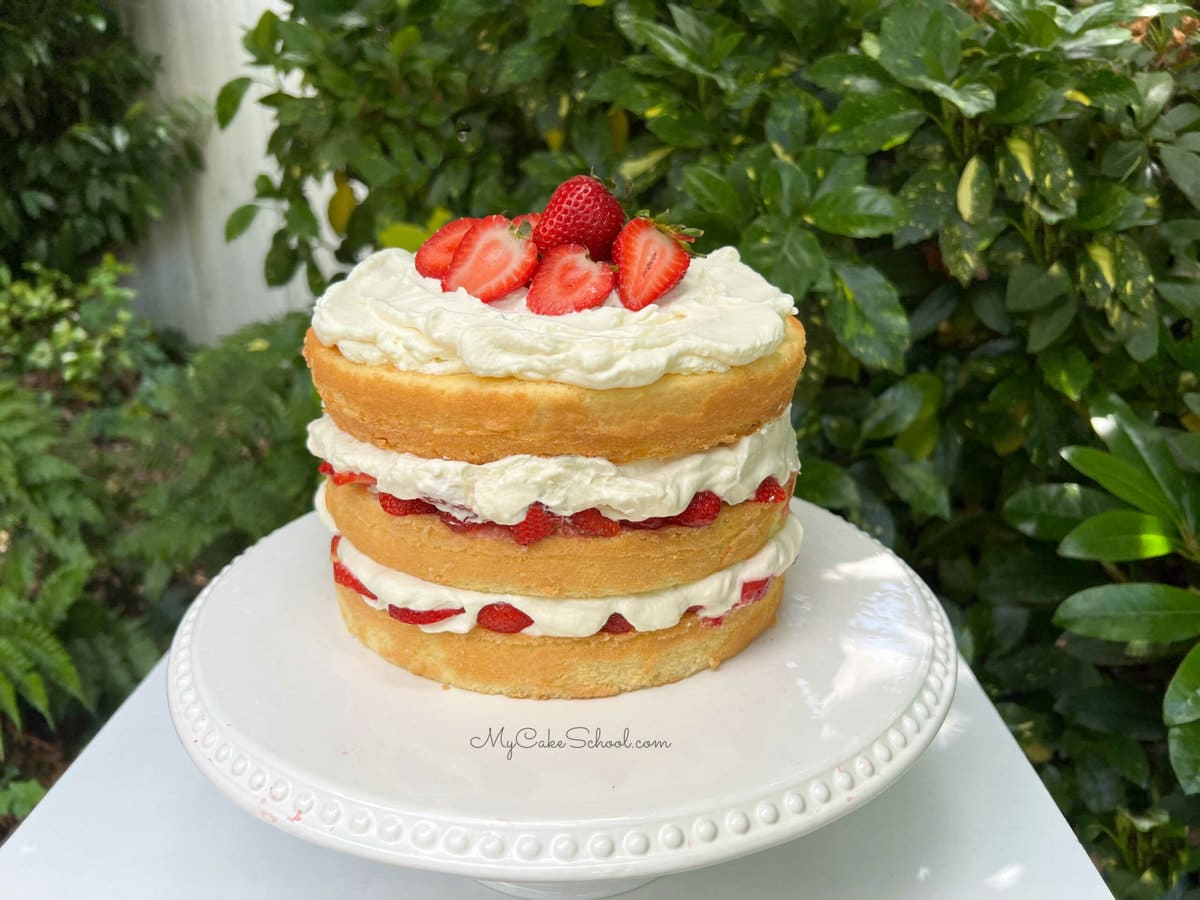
987	213
108	428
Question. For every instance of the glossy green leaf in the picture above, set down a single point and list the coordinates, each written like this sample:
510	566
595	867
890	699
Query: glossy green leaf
1033	577
827	485
961	246
1120	535
1181	703
785	253
229	98
1128	436
1121	479
859	211
1183	743
786	189
239	220
866	315
1050	511
847	73
1183	167
867	123
1067	370
894	410
915	482
1051	323
1132	612
976	191
1114	709
786	124
709	188
1032	287
929	194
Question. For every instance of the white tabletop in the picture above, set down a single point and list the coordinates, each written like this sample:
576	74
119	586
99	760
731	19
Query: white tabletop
133	819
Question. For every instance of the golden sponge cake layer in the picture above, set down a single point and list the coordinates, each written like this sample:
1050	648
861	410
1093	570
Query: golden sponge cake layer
479	420
631	562
520	665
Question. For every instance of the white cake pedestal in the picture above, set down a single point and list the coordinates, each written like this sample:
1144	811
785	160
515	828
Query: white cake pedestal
303	727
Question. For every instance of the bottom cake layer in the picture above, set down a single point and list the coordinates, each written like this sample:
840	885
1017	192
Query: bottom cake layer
521	665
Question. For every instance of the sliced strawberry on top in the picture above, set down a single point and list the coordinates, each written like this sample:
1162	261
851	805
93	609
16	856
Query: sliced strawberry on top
531	218
567	280
580	211
434	256
651	260
491	261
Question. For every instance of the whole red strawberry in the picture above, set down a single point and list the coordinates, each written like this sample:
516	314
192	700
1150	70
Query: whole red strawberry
566	281
651	259
580	211
492	260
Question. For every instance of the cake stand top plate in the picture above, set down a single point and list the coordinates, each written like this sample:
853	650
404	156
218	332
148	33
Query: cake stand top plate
298	723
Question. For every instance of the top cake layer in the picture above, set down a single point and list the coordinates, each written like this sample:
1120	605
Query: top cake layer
722	315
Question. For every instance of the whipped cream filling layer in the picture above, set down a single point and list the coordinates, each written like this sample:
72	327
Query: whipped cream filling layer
715	595
502	491
722	314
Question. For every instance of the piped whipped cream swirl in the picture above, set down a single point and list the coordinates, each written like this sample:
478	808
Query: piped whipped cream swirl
715	595
722	314
502	491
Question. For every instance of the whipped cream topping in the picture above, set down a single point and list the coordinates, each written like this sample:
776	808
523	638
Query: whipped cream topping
722	314
502	491
715	595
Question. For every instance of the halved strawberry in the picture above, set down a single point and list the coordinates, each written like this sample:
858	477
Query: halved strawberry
567	280
539	522
502	617
531	218
591	522
617	624
492	260
580	211
421	616
434	256
651	260
340	478
344	576
770	491
703	510
396	506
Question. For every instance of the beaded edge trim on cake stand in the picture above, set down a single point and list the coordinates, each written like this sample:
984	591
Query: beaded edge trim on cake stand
657	846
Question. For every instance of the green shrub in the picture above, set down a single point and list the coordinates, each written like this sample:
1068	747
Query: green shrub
88	164
989	219
80	341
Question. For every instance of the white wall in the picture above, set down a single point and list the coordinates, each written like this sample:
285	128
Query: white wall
187	275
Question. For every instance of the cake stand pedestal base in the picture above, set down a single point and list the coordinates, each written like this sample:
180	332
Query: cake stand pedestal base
304	728
566	890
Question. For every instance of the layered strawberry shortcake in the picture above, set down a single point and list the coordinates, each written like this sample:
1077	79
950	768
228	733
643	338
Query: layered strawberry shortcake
549	474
